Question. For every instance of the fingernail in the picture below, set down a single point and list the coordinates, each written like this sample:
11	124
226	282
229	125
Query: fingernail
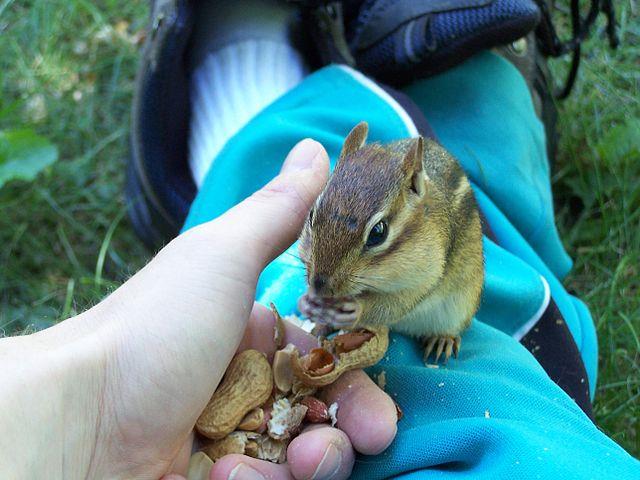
329	465
302	156
242	471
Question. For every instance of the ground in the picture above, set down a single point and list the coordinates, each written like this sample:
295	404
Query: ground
67	71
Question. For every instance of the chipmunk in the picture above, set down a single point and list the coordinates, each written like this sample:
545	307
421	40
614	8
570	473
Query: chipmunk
395	238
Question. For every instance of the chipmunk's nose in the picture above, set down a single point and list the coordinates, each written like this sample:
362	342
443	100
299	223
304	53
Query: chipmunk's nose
319	282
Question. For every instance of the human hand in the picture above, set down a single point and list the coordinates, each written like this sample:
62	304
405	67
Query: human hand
366	419
134	372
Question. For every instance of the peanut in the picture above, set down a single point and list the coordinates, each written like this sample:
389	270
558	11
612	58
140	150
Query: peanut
247	415
247	385
369	353
317	411
252	420
351	341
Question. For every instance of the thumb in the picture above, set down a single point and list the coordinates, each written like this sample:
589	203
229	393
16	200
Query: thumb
266	223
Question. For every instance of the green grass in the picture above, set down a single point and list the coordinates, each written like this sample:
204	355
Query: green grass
67	70
597	192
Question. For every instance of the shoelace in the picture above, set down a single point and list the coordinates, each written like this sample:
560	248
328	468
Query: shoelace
550	42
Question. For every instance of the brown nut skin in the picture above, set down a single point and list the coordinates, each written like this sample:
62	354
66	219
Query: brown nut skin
246	385
318	361
369	353
351	340
317	411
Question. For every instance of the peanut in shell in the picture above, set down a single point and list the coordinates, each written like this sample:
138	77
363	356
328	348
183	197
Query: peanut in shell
252	420
368	353
246	385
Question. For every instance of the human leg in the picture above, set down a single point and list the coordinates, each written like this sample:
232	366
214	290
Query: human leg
446	430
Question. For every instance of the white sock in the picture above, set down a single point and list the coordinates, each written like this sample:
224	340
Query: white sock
243	62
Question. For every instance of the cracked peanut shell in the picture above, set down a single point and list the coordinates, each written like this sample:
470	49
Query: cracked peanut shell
368	353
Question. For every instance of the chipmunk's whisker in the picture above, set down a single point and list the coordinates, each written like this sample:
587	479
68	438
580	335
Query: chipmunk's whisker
365	284
293	255
362	280
367	277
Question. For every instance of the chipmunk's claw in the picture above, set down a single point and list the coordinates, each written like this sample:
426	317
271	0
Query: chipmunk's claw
428	347
457	342
446	345
321	330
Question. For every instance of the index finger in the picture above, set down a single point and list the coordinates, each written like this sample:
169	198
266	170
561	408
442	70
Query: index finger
259	334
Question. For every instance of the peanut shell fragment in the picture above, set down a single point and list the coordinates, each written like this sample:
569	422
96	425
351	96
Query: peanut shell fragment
199	466
251	448
247	384
272	450
285	419
282	372
399	412
235	442
278	327
300	390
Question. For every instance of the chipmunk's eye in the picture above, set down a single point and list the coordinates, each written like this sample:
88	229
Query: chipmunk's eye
377	235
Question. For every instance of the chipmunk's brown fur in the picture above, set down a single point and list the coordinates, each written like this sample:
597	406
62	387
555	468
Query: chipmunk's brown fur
426	278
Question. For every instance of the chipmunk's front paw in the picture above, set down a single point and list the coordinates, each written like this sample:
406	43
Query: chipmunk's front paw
445	344
336	312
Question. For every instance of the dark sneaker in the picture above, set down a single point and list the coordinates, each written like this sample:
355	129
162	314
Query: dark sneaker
160	187
397	41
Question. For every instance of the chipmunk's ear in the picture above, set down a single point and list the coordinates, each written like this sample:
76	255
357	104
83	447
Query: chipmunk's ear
414	167
355	140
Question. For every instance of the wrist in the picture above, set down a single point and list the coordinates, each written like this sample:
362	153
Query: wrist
50	406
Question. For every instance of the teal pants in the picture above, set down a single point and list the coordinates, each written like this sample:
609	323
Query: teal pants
493	412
